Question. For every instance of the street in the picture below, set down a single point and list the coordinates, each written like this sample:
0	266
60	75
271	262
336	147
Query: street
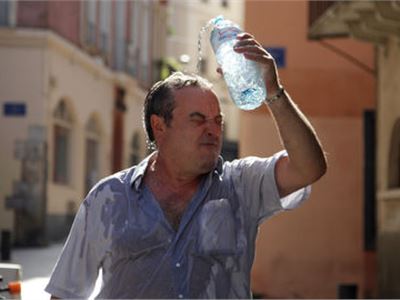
37	265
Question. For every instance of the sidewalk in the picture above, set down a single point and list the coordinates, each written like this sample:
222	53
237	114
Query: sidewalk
36	264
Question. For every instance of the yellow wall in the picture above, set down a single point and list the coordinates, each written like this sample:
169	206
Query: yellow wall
88	91
42	69
17	84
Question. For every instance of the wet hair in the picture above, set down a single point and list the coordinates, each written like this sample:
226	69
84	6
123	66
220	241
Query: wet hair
160	99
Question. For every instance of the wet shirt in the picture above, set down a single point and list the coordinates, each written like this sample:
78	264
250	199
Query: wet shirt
121	229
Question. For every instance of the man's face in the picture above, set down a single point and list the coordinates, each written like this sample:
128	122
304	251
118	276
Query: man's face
194	138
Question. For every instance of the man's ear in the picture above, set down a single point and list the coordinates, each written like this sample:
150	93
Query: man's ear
158	125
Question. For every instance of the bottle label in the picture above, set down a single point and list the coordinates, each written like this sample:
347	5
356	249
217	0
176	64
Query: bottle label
221	35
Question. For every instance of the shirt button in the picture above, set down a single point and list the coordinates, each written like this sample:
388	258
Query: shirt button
178	265
180	296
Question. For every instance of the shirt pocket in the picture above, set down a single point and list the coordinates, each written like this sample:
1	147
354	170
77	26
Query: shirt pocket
218	229
218	251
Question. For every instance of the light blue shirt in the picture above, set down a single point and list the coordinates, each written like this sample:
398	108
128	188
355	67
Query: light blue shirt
121	229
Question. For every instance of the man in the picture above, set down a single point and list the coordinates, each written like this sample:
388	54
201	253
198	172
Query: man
183	224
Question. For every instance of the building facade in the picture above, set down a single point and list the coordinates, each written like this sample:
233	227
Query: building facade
77	74
316	251
377	23
74	77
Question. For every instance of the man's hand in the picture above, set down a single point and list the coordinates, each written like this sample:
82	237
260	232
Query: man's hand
253	50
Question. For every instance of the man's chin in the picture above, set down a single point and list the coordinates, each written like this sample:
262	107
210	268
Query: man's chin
209	164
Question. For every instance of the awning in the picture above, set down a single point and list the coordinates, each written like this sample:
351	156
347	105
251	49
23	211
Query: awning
371	21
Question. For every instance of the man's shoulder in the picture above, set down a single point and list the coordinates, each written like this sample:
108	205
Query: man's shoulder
114	183
250	163
242	162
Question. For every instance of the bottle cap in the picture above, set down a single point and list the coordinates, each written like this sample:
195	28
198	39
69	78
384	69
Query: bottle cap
217	19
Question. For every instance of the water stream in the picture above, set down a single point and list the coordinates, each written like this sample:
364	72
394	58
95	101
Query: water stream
199	44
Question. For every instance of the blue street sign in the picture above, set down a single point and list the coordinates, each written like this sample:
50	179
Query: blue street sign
279	53
14	109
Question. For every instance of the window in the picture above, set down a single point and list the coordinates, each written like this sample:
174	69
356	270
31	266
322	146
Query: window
90	22
105	25
135	149
8	9
139	47
203	66
224	3
62	141
134	39
120	32
4	12
369	180
92	167
230	150
394	157
145	58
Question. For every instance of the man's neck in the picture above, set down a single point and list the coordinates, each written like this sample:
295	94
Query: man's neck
167	173
173	190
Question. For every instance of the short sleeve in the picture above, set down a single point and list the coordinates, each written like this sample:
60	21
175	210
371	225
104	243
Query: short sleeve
77	268
254	179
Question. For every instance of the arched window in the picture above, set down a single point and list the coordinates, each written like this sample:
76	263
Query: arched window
62	140
394	157
92	144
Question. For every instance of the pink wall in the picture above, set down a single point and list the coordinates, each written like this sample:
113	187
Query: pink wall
308	252
63	17
32	14
322	82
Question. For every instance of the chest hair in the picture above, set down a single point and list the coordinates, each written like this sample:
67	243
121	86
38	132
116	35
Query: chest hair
173	203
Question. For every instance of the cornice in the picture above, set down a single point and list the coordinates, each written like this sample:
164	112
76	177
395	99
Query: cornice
47	40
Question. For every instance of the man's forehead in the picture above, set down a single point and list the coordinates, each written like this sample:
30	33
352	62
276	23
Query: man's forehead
195	114
196	97
194	90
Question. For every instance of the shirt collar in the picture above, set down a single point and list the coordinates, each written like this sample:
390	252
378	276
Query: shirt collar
218	167
137	176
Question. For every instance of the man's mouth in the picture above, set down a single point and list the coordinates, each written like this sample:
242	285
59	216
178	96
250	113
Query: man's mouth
209	143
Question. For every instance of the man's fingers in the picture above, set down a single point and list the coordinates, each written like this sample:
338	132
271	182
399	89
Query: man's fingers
255	49
261	58
244	35
247	42
251	48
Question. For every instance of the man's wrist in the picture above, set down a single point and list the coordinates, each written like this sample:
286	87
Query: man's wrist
275	97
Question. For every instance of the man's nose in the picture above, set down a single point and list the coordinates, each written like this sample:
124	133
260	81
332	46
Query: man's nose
213	127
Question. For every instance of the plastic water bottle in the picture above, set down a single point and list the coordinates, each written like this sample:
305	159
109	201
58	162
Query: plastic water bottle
242	76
